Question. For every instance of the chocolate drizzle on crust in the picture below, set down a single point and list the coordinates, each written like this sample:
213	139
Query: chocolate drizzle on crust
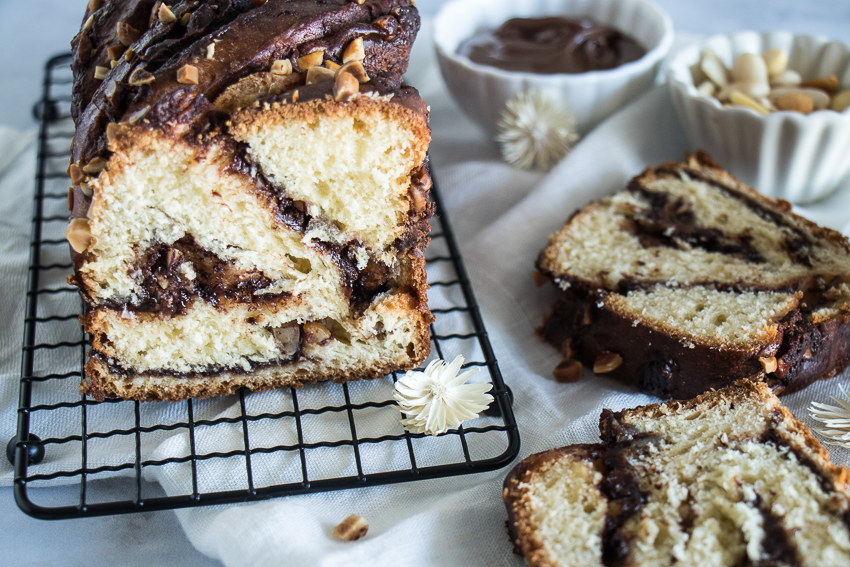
248	40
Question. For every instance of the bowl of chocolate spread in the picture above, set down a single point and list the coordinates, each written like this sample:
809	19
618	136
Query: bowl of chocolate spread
552	45
594	55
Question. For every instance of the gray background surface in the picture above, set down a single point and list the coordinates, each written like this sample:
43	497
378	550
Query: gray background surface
31	31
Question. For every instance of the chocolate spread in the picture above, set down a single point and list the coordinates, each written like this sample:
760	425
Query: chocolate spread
552	45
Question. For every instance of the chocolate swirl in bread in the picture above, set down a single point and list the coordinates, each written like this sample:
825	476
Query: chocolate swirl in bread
727	479
226	187
694	280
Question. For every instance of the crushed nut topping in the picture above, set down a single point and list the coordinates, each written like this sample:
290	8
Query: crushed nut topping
166	16
138	115
96	165
113	132
141	77
345	88
100	72
568	371
127	34
354	51
319	74
769	364
116	51
211	51
188	75
287	338
607	362
316	333
79	235
355	68
282	67
311	59
76	174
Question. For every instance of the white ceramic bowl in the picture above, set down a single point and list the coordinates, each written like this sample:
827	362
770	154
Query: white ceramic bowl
797	157
482	91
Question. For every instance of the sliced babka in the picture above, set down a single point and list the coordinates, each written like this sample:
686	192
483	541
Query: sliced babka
688	280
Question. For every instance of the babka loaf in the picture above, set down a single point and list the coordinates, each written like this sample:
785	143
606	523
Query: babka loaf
727	479
251	194
688	280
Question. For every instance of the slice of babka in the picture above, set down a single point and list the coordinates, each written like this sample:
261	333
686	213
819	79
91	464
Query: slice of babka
688	280
730	478
251	196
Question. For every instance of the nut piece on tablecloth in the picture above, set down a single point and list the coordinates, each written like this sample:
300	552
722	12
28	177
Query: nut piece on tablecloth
351	529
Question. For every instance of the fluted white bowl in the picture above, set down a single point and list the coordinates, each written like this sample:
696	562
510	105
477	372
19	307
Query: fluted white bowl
797	157
482	91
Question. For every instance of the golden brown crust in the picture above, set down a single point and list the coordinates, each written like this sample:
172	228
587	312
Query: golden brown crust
261	115
516	494
102	384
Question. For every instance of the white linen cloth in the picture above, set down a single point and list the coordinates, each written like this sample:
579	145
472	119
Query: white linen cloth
502	218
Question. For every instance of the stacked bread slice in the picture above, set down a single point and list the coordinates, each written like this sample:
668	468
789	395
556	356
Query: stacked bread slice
688	280
251	196
727	479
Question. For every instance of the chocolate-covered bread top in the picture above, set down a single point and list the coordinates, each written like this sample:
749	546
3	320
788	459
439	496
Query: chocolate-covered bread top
129	53
552	45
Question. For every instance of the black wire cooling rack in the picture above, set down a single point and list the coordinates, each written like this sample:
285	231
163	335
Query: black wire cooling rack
54	349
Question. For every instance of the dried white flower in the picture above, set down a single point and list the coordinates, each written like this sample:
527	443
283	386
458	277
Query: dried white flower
836	419
438	398
536	129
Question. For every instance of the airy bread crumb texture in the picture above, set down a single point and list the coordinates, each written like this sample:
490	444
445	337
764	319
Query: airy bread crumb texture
722	318
568	508
350	162
601	247
718	493
730	478
161	188
391	335
240	336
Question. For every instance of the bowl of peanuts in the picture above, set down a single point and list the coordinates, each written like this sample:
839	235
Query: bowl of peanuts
772	108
